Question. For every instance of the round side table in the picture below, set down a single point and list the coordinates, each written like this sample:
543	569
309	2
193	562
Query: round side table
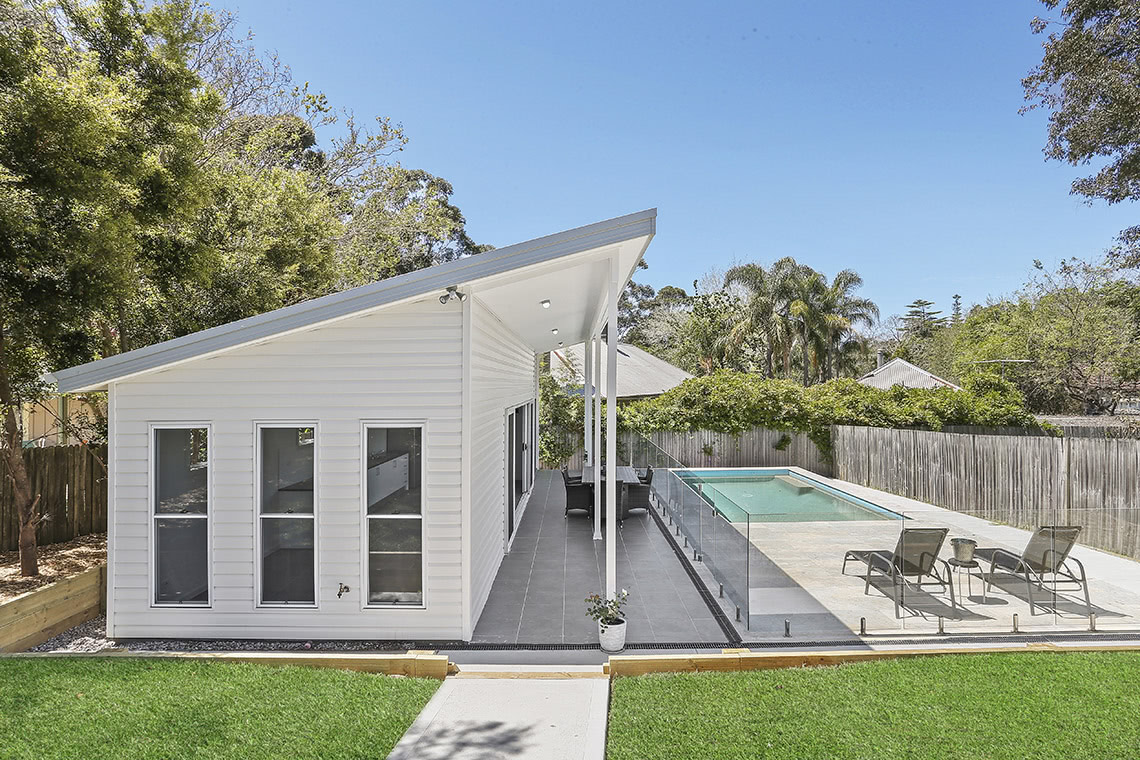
961	567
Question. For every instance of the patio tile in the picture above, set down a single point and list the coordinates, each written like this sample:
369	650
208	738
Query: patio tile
554	563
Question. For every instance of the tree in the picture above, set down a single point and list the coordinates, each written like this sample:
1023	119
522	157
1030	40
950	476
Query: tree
635	305
1087	81
956	311
98	136
658	333
841	311
768	293
704	342
920	320
1075	329
406	222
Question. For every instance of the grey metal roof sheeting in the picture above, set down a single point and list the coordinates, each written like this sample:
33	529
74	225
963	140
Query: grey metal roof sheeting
640	373
901	372
413	284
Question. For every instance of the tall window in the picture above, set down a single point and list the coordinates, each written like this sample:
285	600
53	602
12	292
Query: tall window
287	518
180	512
393	490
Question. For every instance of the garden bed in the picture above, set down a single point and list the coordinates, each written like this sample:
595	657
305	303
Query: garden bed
1041	705
43	613
136	708
57	562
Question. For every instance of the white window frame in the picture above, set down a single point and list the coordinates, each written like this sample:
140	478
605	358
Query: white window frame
258	426
365	426
153	516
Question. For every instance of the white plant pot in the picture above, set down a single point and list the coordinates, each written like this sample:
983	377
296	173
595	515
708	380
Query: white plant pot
612	636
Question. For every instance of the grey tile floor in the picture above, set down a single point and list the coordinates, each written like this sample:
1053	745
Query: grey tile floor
554	562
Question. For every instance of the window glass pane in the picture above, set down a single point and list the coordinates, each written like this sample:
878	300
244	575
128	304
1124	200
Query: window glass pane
393	471
180	473
395	561
180	562
287	560
287	470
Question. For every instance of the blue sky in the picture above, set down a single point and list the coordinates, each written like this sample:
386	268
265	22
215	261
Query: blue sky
878	135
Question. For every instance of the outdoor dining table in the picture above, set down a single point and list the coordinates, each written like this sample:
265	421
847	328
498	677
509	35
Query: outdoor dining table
624	474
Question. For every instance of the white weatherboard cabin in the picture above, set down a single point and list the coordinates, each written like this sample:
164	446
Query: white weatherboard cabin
349	467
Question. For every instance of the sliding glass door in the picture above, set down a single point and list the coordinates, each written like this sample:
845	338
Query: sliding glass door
521	461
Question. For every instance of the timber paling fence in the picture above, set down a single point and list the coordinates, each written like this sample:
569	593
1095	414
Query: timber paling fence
1020	480
758	447
73	494
1024	481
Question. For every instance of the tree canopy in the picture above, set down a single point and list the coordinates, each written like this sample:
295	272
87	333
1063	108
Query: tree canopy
159	175
1087	81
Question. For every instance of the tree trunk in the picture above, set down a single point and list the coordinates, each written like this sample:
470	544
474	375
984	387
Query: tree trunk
14	459
124	338
807	360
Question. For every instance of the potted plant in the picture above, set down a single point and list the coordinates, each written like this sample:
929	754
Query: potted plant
611	624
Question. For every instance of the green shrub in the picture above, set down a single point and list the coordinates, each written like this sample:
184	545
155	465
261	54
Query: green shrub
560	421
733	402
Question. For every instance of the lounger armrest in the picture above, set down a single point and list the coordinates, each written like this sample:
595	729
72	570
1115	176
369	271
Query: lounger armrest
1078	563
999	553
886	558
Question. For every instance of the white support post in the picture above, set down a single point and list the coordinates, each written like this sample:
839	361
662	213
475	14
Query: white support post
596	347
611	434
588	404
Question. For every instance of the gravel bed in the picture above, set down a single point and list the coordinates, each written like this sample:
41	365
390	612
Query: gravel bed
85	637
92	637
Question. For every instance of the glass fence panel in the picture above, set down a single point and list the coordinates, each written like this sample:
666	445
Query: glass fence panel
835	558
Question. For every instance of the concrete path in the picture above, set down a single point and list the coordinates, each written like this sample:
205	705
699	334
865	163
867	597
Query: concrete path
486	717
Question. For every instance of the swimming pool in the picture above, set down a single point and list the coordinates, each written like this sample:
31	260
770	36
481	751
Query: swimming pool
778	495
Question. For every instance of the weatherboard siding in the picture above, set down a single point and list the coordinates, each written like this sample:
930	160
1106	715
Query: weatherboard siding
502	377
400	364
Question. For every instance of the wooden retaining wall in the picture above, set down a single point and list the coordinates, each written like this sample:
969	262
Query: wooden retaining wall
754	448
72	486
38	615
1025	481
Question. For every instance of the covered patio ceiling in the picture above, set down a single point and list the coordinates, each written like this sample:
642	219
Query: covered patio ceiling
574	289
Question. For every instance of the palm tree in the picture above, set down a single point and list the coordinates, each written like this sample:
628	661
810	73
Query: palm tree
792	307
808	289
841	310
765	312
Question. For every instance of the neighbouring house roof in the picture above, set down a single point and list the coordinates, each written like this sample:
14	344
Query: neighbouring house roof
575	264
640	373
901	372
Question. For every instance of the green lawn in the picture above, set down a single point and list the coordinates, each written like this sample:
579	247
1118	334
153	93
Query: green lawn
135	708
981	707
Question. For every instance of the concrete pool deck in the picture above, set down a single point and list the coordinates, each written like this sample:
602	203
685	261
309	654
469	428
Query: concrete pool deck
795	576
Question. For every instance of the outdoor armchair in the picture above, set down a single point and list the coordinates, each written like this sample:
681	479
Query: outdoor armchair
915	557
1046	554
636	497
579	496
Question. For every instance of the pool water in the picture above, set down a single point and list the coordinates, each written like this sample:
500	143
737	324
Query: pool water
778	496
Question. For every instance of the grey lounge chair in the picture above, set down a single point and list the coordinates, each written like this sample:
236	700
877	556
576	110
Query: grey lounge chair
915	556
1047	553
